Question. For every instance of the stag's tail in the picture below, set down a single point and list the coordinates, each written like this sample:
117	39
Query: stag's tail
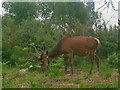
98	41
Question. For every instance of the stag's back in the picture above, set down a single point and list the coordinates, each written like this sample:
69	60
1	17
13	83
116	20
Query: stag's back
78	45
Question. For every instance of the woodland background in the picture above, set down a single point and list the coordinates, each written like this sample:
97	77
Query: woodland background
27	24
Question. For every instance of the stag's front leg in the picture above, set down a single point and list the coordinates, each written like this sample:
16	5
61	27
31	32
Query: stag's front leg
66	67
71	64
70	61
66	63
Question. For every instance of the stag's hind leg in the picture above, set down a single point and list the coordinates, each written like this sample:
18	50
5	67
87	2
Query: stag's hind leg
97	59
90	72
92	55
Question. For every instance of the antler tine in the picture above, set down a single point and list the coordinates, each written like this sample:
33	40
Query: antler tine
43	43
41	50
36	50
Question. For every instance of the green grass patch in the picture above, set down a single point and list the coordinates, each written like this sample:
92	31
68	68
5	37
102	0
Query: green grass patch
97	85
54	73
106	70
54	76
7	69
76	81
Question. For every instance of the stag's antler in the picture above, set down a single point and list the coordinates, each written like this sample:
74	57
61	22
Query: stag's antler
36	50
43	43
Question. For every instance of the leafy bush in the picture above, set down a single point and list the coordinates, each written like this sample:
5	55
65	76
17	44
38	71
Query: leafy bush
17	39
109	43
23	62
113	60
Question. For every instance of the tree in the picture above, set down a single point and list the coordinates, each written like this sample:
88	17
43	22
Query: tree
92	14
21	10
68	14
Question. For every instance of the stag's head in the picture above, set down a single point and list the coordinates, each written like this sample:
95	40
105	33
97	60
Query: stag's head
42	55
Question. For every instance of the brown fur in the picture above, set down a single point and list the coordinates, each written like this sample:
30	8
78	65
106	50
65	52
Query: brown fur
70	46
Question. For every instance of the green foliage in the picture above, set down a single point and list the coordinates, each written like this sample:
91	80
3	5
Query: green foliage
8	21
64	15
113	60
109	42
22	30
17	39
59	63
21	10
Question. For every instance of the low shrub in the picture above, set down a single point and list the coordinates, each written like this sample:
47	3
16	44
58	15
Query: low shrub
113	60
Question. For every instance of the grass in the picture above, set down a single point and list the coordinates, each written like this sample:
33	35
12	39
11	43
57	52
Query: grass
54	77
97	85
0	75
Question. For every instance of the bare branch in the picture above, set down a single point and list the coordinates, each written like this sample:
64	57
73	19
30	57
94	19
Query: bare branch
102	5
107	5
113	6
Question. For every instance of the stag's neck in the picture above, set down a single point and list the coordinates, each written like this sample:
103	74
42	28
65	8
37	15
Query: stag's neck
54	53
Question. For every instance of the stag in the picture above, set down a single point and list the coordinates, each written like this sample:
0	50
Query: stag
69	47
